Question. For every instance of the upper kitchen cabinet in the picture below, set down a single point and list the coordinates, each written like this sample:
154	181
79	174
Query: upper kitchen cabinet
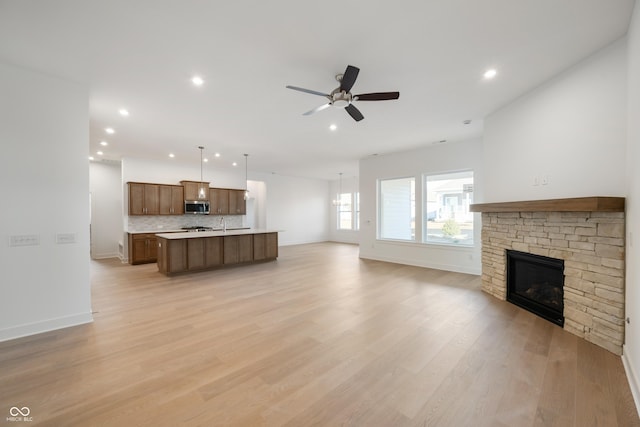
144	199
192	190
219	201
225	201
171	200
237	204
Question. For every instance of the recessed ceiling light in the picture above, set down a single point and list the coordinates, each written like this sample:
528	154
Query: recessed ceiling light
90	157
171	155
234	164
99	153
217	154
205	160
123	112
110	131
489	74
333	127
104	143
197	80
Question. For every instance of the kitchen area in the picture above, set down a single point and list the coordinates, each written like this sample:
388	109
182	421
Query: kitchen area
298	208
191	226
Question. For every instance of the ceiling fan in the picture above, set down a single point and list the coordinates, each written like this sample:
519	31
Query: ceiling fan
341	96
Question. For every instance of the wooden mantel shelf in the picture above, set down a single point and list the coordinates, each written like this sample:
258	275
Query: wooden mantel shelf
576	204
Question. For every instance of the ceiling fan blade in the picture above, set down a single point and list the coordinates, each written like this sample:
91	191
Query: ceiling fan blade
349	78
315	110
312	92
354	112
379	96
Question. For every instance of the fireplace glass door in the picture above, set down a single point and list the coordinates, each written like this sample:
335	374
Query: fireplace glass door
536	283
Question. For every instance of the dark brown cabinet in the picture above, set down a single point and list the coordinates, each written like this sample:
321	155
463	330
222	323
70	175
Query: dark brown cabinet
143	248
226	201
204	253
192	190
237	204
171	200
219	198
238	249
172	256
265	246
144	199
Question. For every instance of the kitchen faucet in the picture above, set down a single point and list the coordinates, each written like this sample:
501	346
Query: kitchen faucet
224	224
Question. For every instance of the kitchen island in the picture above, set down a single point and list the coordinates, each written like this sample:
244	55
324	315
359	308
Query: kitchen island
205	250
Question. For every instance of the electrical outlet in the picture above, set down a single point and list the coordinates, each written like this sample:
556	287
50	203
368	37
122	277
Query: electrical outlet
63	238
535	181
25	240
545	180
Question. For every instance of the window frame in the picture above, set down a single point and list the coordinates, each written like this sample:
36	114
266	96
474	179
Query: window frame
425	212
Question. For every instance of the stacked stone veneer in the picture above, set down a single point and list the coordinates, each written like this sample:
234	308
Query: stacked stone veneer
592	247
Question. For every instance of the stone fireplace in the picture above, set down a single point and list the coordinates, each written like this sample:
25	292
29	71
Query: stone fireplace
587	235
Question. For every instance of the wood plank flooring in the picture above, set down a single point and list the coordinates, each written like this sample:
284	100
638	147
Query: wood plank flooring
316	338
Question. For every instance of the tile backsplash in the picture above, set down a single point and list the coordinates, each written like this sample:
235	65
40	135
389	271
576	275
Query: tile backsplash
157	223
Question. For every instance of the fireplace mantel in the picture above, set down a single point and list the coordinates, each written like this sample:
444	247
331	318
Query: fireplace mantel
575	204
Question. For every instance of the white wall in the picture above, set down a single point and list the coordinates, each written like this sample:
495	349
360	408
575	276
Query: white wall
297	206
44	134
105	183
349	185
572	129
631	351
433	159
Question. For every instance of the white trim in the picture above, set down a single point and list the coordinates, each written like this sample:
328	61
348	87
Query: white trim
107	255
44	326
632	378
437	266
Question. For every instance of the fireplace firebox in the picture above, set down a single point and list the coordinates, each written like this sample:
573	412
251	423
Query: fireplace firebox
536	283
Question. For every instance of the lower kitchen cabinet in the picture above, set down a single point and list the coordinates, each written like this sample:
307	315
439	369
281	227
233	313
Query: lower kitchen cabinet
238	249
172	256
143	248
186	252
204	253
265	246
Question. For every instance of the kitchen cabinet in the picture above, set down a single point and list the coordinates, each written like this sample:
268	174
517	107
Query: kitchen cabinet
237	204
171	200
204	253
184	252
219	199
238	249
172	256
143	248
226	201
192	190
144	199
265	246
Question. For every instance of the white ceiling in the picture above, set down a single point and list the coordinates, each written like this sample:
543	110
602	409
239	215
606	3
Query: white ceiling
141	54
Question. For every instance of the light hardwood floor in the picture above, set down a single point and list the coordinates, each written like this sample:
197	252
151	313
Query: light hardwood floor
316	338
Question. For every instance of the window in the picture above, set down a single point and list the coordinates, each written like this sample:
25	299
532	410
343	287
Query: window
397	208
348	211
446	208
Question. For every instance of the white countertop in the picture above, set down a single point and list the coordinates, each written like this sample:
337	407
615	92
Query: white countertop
214	233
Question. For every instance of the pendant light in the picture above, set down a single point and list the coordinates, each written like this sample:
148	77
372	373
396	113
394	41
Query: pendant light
201	193
246	179
336	202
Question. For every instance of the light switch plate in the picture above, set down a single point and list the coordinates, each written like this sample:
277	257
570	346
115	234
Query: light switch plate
24	240
64	238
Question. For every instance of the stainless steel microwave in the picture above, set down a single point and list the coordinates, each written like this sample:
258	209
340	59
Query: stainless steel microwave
196	207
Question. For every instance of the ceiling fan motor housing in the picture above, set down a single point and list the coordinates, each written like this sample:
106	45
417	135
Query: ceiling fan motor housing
340	98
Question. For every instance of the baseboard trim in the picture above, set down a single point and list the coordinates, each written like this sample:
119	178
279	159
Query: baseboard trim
435	266
44	326
632	379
